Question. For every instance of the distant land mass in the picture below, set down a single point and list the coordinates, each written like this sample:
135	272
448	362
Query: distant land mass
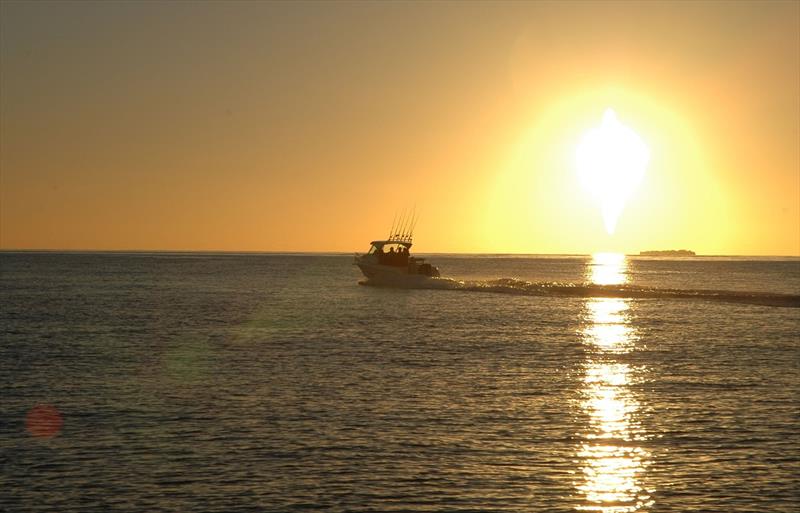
669	252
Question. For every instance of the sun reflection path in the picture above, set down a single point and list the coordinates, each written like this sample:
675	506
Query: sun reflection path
608	269
612	460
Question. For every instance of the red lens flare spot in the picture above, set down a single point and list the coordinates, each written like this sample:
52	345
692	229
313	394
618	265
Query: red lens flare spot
44	421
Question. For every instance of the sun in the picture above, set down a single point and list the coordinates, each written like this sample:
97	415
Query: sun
611	160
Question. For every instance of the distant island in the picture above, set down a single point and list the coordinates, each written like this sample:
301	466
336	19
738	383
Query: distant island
669	252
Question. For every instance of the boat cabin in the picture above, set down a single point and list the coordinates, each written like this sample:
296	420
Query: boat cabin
391	252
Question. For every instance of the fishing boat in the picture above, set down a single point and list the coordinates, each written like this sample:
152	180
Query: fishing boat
389	261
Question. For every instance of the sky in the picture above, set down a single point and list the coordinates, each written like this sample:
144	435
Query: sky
303	126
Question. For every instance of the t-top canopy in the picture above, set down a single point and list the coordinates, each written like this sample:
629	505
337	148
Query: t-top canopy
378	244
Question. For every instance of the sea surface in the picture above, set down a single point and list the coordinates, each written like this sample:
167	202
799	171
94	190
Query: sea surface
197	382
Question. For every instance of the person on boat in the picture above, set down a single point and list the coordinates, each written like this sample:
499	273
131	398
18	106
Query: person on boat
404	255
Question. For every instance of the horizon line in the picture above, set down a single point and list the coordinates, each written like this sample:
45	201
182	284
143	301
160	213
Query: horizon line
323	252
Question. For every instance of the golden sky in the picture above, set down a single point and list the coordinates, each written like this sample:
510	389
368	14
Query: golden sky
267	126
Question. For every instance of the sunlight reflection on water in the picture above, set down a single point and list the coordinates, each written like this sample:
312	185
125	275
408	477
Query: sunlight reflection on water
608	269
612	462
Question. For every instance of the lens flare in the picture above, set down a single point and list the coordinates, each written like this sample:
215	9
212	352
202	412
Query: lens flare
44	421
611	160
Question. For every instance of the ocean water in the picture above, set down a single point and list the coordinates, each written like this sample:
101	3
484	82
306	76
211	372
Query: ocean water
260	382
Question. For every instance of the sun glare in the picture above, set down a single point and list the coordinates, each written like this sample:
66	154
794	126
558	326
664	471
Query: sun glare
611	161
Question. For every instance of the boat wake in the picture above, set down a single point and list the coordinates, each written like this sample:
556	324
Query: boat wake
589	290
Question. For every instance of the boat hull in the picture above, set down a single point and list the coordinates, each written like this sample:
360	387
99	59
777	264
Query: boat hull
378	274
